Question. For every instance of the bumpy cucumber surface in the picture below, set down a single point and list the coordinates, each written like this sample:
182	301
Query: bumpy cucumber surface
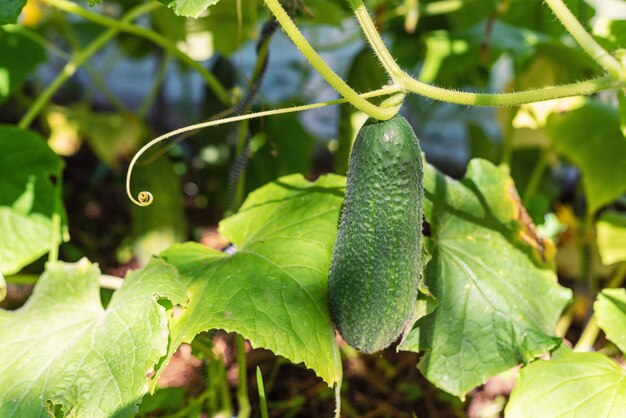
376	261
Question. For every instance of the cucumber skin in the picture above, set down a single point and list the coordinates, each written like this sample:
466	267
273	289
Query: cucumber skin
376	264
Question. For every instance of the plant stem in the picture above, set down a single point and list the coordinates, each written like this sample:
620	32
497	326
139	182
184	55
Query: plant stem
163	42
79	59
412	15
337	400
240	184
509	99
588	336
242	384
325	71
373	37
111	282
145	198
585	40
262	397
564	323
408	84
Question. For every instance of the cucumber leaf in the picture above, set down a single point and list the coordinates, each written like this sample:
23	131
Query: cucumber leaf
189	8
273	290
28	197
610	309
570	385
498	297
591	138
63	354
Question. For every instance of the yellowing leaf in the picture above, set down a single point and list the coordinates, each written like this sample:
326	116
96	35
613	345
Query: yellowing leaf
498	296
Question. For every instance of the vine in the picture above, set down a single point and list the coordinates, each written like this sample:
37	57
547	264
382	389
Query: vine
401	83
485	203
145	198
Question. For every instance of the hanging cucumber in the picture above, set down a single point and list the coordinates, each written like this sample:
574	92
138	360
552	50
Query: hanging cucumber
376	261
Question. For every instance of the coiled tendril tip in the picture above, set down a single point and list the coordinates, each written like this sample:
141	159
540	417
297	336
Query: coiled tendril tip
144	199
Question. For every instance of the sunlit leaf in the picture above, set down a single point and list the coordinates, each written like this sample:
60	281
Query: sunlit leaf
191	8
492	277
28	198
611	239
610	309
62	352
570	385
273	290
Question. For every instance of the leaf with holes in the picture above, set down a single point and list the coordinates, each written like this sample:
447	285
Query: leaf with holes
492	276
273	290
62	353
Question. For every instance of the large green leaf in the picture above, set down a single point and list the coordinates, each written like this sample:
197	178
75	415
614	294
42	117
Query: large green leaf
570	385
498	294
611	239
590	136
28	199
273	289
63	352
610	309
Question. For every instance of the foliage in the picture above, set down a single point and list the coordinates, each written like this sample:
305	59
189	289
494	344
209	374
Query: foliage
492	315
28	199
273	289
570	384
63	353
497	289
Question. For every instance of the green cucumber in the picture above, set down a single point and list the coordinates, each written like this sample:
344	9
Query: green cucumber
376	264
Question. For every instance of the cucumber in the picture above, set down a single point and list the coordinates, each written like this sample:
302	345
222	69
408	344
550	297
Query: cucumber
376	263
